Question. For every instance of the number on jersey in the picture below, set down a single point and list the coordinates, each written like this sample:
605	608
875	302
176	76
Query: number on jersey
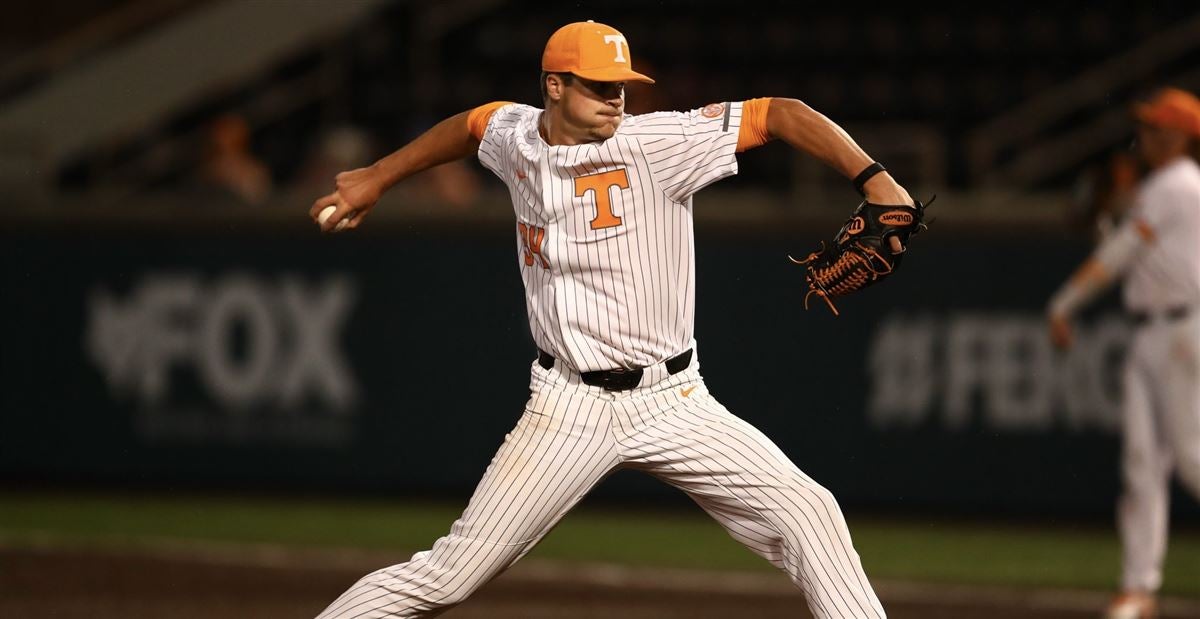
533	238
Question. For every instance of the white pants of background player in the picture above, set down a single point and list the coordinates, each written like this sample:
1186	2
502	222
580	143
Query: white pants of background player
1161	434
573	435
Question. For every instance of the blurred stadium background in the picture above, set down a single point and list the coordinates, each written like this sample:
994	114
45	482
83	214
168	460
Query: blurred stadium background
209	409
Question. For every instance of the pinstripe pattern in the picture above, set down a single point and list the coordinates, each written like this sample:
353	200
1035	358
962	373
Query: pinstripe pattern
600	297
558	450
570	437
622	296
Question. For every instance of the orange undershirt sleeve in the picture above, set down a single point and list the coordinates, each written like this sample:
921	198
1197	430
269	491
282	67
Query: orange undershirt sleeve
477	120
753	131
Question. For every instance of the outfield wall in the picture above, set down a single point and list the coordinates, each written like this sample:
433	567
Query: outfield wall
395	360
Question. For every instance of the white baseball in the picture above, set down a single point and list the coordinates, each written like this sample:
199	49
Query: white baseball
328	212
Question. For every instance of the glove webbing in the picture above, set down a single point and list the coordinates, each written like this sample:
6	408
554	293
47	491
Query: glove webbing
850	272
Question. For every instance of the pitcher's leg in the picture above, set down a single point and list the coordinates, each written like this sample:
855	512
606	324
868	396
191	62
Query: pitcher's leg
1142	510
545	466
740	477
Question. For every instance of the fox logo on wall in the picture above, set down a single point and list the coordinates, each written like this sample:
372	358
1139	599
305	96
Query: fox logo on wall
177	344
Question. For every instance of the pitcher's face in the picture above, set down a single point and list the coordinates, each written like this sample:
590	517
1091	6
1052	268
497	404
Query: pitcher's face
596	108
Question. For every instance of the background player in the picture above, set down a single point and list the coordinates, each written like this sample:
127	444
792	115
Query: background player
604	234
1156	250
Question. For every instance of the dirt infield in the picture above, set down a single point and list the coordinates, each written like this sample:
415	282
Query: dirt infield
99	584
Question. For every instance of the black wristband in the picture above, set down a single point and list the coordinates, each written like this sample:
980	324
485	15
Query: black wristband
865	175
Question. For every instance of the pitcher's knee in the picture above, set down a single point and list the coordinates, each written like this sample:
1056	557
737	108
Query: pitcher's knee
813	494
453	596
442	588
416	587
806	504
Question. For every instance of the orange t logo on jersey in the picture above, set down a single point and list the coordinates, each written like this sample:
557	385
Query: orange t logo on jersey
600	184
532	238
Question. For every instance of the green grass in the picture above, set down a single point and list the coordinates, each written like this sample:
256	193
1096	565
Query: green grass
1055	556
1060	556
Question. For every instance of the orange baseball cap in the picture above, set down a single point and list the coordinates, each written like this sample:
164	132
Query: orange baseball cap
1171	108
592	51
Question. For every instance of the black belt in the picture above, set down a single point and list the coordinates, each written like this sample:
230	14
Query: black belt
1170	315
621	379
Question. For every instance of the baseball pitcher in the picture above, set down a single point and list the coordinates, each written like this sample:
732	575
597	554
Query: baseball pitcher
603	234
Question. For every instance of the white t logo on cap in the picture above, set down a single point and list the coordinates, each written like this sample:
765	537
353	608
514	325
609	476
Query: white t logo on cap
620	41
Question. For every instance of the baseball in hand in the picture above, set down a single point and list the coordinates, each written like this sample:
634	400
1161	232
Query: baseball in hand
328	212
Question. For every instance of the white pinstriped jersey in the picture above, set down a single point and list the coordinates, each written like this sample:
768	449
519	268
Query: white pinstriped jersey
604	230
1167	272
606	253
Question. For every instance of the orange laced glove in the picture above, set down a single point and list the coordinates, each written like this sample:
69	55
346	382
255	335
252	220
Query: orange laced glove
861	254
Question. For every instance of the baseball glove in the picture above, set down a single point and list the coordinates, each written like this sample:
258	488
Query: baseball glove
860	254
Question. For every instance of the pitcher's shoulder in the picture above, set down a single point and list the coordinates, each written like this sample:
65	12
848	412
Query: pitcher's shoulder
515	114
652	123
710	118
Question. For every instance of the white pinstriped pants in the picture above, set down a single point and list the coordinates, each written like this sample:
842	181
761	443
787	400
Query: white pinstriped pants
1161	434
570	437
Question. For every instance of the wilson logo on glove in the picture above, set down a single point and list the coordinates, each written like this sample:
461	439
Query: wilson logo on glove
895	218
852	227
